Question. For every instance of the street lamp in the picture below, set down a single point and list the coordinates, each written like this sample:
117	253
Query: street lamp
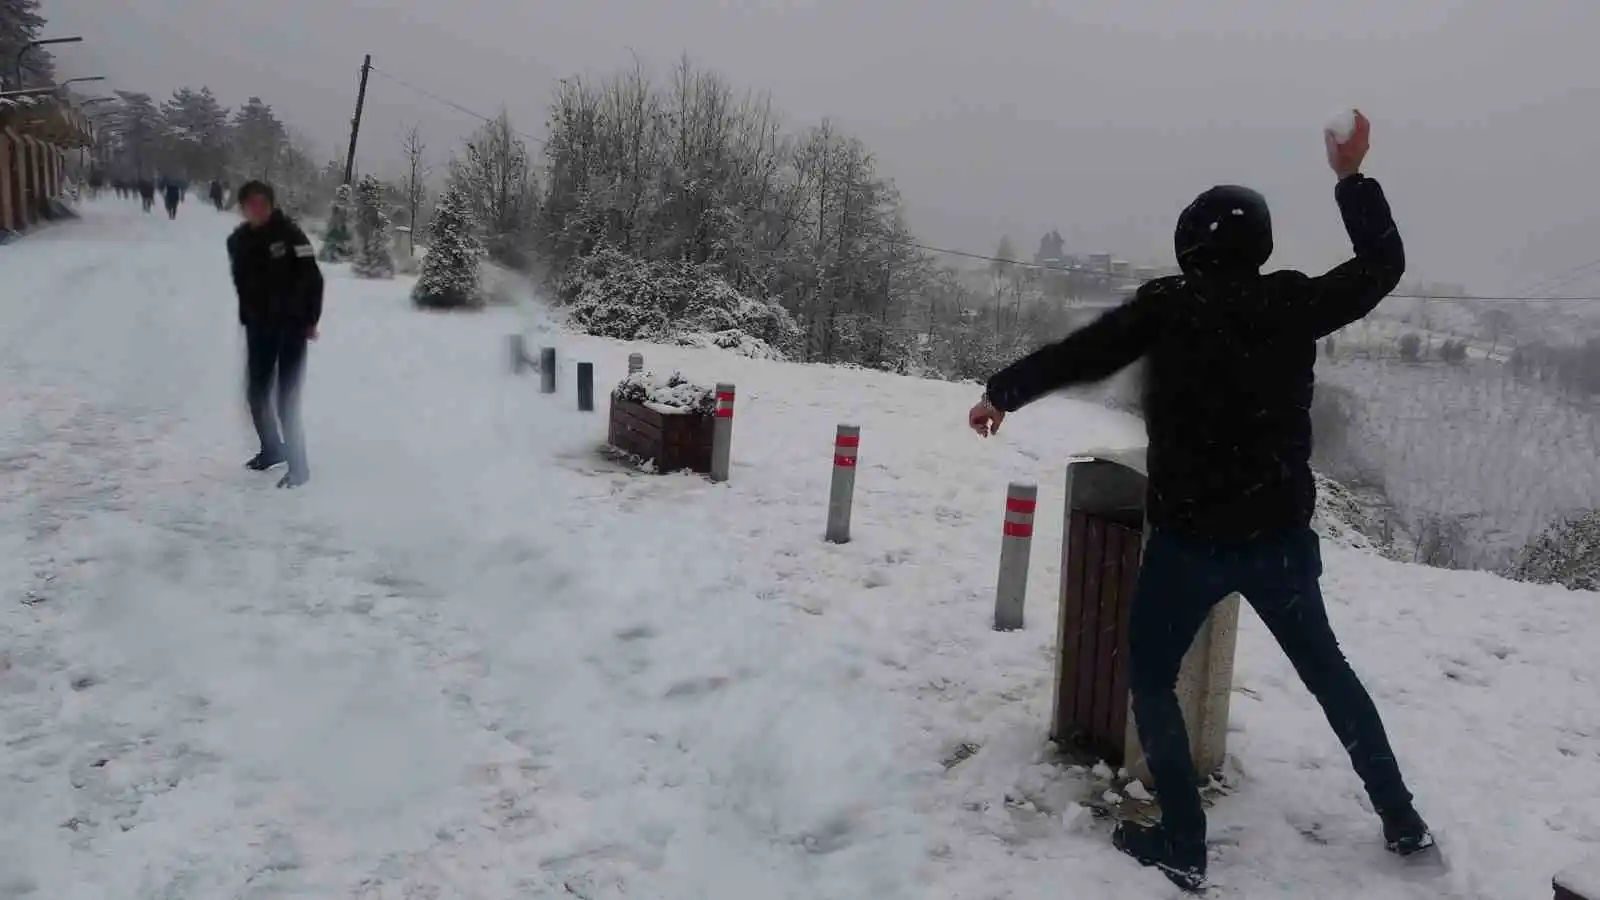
77	38
81	80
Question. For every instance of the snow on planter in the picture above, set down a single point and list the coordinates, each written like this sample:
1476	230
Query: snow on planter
666	424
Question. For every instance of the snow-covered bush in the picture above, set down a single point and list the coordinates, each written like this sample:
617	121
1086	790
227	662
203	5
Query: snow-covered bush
734	341
674	394
450	270
1567	553
614	295
374	243
338	244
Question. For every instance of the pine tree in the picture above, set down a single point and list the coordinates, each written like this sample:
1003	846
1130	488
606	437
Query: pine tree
374	241
337	243
450	270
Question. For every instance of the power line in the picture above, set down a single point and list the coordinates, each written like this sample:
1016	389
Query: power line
1041	267
450	103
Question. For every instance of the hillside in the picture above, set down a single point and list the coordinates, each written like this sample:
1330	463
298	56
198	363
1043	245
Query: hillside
474	658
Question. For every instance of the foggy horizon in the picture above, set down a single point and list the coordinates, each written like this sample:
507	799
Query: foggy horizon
1100	120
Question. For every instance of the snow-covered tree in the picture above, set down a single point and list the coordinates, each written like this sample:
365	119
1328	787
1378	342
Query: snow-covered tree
338	244
20	23
450	270
258	139
374	241
495	177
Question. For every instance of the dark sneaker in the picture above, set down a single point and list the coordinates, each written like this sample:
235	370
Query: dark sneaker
1184	863
1404	832
293	479
263	461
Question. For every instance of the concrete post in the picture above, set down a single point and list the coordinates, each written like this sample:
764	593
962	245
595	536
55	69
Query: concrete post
635	363
585	387
841	492
547	370
722	433
1016	544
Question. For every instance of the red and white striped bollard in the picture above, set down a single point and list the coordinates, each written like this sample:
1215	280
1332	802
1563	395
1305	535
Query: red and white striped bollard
1016	542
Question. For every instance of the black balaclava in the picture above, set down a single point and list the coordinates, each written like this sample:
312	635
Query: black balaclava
1225	231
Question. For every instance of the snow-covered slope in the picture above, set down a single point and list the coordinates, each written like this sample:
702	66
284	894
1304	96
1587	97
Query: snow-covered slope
472	659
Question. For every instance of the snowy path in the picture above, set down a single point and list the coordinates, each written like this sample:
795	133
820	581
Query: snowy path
471	660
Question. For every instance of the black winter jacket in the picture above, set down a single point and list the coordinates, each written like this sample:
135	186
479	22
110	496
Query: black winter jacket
276	275
1229	356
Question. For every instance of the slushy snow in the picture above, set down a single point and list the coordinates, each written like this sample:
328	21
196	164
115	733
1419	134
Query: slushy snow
474	659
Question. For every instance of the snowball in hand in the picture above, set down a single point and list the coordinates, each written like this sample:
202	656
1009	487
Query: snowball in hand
1342	125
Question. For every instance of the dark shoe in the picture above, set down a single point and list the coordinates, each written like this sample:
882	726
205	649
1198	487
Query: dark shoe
263	461
1404	832
1183	862
293	480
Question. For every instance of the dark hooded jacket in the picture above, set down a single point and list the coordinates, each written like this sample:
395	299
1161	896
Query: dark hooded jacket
276	275
1229	355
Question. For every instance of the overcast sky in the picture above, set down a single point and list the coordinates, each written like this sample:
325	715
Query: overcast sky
1100	118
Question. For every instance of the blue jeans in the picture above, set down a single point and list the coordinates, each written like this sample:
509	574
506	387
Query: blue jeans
1179	582
276	358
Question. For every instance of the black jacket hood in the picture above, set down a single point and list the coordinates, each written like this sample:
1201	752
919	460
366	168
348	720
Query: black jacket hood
1225	231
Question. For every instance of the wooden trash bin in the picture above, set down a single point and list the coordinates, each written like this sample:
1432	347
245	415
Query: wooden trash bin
1102	546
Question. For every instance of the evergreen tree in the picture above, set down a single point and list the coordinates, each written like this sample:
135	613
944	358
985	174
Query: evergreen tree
258	139
450	270
374	245
20	23
338	245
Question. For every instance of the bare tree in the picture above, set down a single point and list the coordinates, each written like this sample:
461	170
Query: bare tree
413	187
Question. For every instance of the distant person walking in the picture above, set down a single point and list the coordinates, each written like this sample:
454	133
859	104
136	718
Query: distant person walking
172	194
216	194
147	193
1229	355
280	304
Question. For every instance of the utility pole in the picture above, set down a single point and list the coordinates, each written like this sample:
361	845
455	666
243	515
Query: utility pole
355	123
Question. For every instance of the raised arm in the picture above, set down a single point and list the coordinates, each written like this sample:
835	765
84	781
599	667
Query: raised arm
1355	287
1352	289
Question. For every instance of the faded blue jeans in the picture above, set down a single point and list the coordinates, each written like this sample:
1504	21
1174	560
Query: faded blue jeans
276	358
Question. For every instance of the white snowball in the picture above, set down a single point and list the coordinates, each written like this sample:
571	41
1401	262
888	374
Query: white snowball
1343	125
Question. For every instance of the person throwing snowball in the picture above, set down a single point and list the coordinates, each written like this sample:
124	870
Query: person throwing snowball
1229	355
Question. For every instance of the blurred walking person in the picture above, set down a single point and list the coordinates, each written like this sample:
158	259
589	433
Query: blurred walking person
280	287
172	194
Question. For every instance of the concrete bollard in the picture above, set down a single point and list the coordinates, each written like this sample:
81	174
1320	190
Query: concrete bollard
722	433
1015	544
547	370
635	363
841	493
585	387
519	354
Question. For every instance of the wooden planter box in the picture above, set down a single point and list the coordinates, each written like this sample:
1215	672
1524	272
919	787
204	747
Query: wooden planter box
672	441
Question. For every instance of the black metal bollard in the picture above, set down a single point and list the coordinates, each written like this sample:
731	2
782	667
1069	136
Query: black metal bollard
547	370
585	387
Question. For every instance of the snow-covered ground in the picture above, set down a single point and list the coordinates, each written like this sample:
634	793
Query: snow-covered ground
472	659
